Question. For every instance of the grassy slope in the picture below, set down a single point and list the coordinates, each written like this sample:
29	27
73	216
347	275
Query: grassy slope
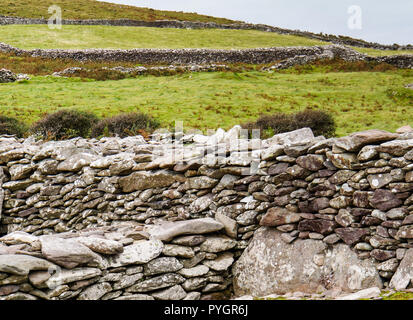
92	9
358	101
81	37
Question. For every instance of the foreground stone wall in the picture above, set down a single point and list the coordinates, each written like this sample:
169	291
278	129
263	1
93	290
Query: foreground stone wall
342	40
347	199
284	56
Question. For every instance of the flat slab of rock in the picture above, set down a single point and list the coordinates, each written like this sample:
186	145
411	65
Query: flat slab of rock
100	245
404	274
270	266
140	252
300	136
67	253
170	230
146	180
357	140
363	294
22	264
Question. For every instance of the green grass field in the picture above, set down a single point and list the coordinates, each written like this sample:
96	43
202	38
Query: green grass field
358	101
83	37
92	9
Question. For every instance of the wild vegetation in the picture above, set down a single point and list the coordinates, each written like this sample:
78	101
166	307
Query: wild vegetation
356	100
92	9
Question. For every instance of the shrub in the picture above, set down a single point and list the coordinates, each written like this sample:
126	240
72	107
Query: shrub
11	126
65	124
127	124
320	122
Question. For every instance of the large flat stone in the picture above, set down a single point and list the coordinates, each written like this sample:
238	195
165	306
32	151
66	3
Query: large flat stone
404	274
140	252
146	180
67	253
270	266
357	140
170	230
22	264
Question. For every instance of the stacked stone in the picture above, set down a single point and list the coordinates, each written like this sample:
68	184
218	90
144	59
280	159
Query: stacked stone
289	56
355	189
124	263
351	189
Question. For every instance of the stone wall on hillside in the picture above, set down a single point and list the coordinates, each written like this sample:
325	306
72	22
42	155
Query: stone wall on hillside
342	40
152	198
284	56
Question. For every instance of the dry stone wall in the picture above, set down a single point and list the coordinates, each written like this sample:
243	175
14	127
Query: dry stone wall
104	213
342	40
284	57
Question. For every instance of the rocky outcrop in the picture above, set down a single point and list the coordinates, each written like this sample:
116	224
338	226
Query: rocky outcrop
200	199
9	76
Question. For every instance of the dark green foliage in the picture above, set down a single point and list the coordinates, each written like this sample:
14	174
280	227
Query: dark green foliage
11	126
320	122
126	124
65	124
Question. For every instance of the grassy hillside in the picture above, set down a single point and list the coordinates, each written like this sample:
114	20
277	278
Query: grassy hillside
358	101
83	37
92	9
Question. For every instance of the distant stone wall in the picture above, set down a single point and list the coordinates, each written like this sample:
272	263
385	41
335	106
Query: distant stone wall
214	192
283	56
342	40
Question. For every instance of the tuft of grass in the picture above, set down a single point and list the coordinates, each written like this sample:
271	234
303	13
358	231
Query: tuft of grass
399	296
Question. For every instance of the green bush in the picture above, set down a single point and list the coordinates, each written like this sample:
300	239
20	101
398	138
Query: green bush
127	124
11	126
320	122
65	124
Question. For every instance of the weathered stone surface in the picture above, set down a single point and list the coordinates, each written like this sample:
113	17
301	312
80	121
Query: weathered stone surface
68	276
368	153
162	265
342	160
357	140
218	244
160	282
135	297
279	216
404	274
396	147
173	250
351	235
96	291
173	293
190	241
145	180
100	245
170	230
379	180
324	227
269	266
311	162
140	252
67	253
384	200
76	162
230	225
222	263
19	237
369	293
300	136
405	232
22	264
197	271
